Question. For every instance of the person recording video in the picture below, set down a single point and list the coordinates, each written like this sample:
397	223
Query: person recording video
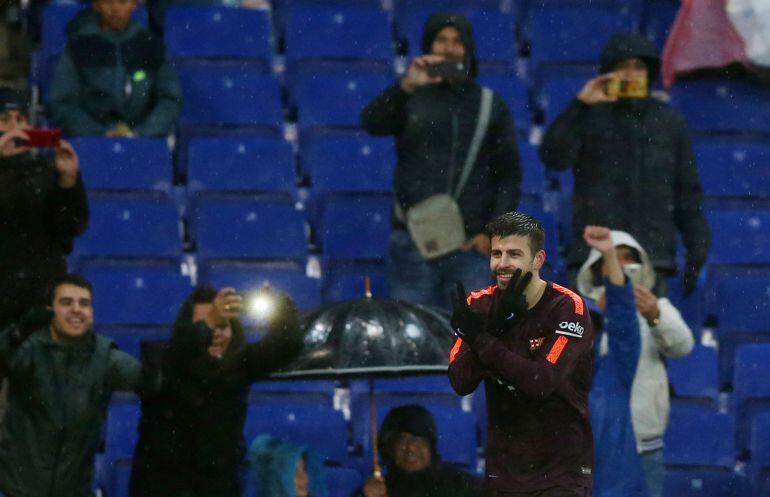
458	165
43	207
195	392
633	163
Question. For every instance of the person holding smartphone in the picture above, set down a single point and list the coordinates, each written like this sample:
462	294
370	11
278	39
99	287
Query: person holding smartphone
43	207
663	332
195	394
633	163
433	112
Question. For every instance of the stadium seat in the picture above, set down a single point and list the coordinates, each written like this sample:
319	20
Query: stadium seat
124	163
723	105
558	85
136	292
744	234
657	20
345	280
733	167
248	227
573	33
129	339
333	94
346	161
120	475
703	483
355	227
247	278
229	93
513	90
338	31
343	482
131	225
256	163
318	426
752	373
695	375
315	391
738	298
121	427
533	171
218	32
493	31
759	443
699	436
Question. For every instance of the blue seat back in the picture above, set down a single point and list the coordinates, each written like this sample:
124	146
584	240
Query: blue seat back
752	372
759	441
124	163
738	298
345	280
558	85
356	227
744	234
733	168
513	91
703	483
699	436
121	427
723	105
695	375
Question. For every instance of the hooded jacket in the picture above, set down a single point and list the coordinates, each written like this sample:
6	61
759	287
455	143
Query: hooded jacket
671	338
38	221
58	398
634	168
194	406
439	479
434	127
105	77
274	463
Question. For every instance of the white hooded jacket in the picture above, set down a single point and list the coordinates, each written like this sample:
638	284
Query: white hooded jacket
671	338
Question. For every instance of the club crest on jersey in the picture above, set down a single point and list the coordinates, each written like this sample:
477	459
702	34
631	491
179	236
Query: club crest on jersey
535	343
571	329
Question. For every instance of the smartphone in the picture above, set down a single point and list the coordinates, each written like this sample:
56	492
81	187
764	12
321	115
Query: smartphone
43	138
449	70
627	88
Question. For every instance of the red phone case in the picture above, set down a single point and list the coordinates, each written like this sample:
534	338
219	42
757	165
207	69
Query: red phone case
43	138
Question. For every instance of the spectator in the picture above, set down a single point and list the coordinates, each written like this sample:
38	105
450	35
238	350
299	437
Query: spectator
617	467
434	120
43	206
407	443
633	164
61	378
114	77
664	334
529	340
194	405
285	469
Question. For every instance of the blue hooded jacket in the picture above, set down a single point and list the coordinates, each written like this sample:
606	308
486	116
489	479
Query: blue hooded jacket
274	462
617	468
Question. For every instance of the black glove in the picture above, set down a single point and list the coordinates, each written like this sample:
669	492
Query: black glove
34	319
465	323
690	278
510	307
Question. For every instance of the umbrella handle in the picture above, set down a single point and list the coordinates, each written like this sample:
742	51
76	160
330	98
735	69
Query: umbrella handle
376	469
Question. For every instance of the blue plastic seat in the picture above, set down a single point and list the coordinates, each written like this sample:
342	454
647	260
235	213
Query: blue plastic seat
558	85
247	278
131	225
723	105
229	93
257	163
355	227
345	161
121	426
136	292
513	90
697	482
752	373
343	482
333	94
129	339
738	298
291	391
124	163
218	32
573	33
320	427
699	436
345	280
248	227
120	475
759	443
733	168
493	31
338	31
533	171
744	234
695	375
657	20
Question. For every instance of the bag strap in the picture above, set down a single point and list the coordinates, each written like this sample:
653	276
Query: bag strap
482	123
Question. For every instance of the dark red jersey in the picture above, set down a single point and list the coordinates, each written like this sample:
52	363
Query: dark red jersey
537	377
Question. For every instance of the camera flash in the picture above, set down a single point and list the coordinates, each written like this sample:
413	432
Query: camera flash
261	306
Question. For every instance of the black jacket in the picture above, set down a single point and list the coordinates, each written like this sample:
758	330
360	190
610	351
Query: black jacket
634	169
190	434
38	221
434	126
439	480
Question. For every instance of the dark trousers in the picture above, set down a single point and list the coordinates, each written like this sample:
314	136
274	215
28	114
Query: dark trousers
548	492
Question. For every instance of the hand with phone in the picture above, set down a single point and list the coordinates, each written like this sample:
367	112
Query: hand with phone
594	91
14	143
418	75
227	305
67	164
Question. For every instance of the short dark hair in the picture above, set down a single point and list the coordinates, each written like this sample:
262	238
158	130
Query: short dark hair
68	279
518	224
202	294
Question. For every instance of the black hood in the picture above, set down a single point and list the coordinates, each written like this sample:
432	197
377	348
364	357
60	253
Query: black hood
413	419
624	46
438	21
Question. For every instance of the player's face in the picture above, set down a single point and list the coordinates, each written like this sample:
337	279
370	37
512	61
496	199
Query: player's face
73	314
411	453
220	340
448	43
511	253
